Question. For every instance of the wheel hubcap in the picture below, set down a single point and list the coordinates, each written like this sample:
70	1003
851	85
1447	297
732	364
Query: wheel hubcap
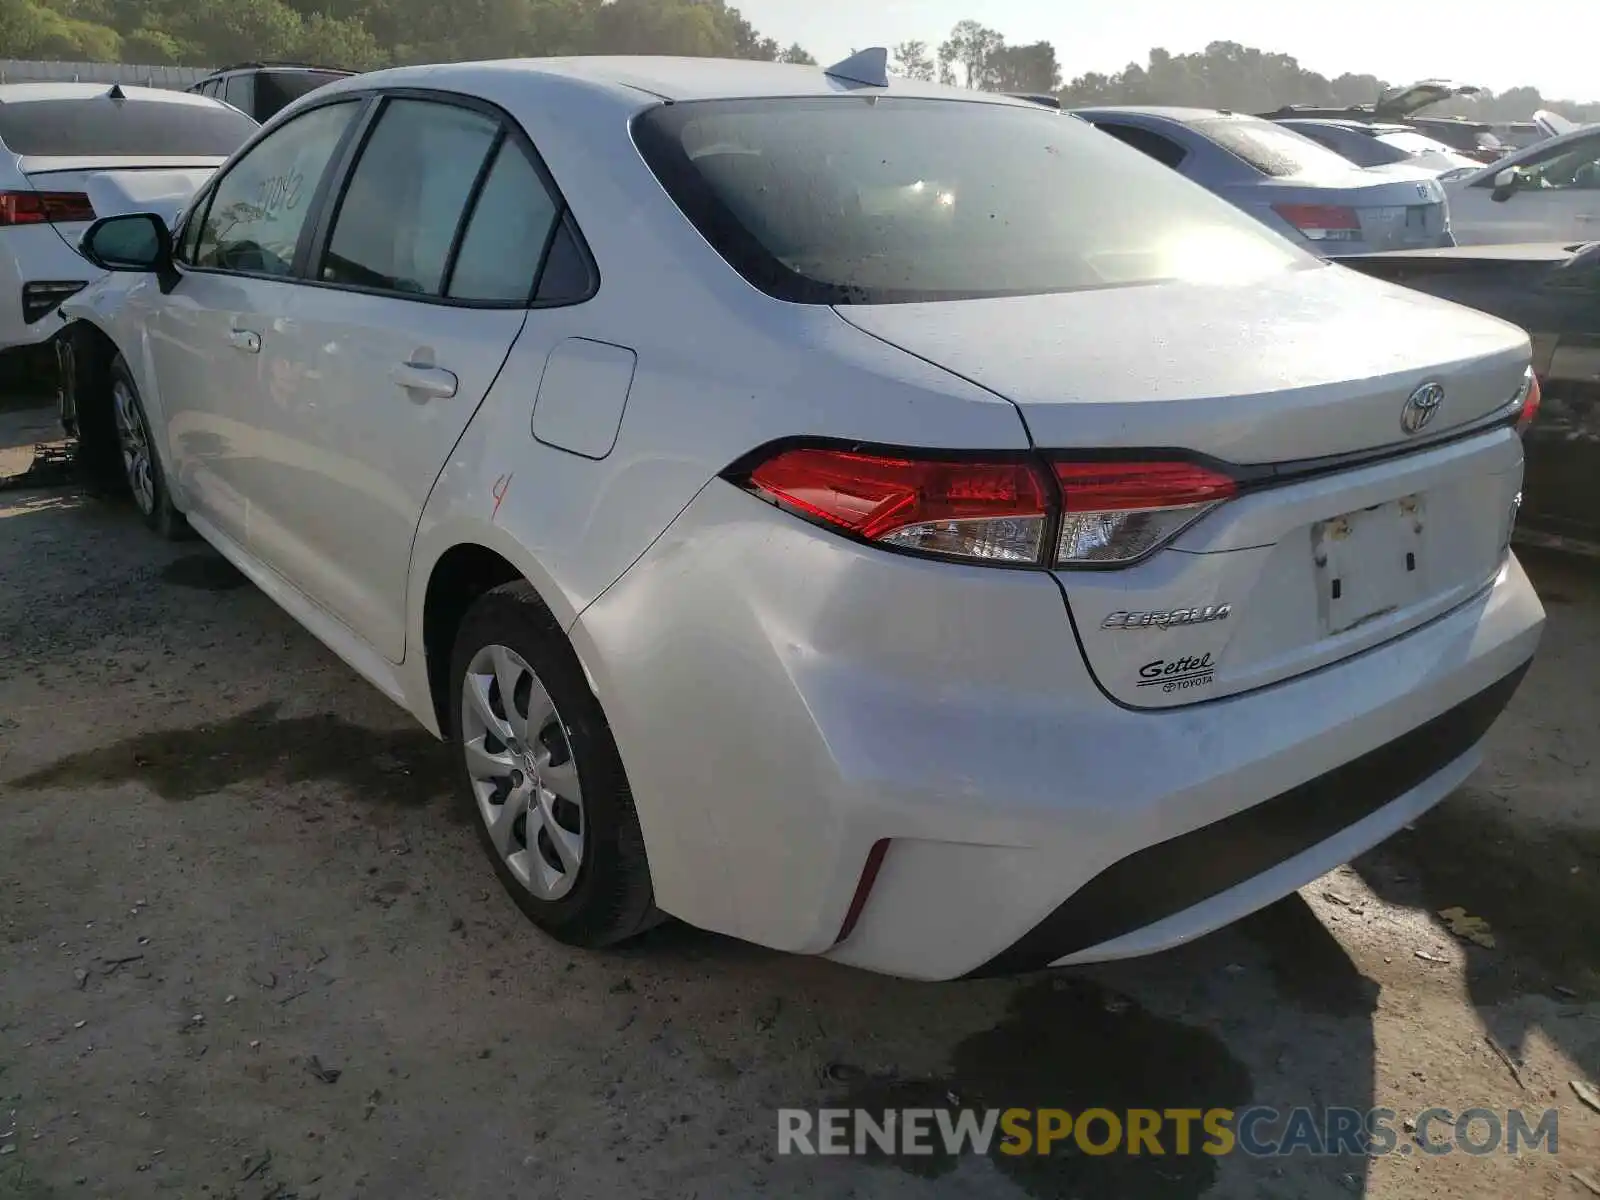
135	442
523	775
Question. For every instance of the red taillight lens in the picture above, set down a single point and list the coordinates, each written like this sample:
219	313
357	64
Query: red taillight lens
44	208
1111	513
1117	512
1532	396
1322	222
987	511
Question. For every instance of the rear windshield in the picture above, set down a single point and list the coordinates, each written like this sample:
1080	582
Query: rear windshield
1272	149
98	127
877	200
276	89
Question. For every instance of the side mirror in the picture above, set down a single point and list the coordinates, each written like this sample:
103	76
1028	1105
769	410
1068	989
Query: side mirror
138	242
1505	185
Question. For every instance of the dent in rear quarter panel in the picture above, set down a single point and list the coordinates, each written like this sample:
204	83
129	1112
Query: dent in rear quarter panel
784	698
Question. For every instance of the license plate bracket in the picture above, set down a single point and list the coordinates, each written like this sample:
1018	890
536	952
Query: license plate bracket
1370	563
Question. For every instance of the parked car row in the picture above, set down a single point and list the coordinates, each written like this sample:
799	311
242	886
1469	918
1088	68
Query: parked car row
72	152
921	532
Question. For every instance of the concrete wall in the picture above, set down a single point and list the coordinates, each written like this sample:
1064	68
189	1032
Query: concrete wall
15	70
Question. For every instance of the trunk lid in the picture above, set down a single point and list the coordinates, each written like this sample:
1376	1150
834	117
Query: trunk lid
1401	208
1307	566
1402	102
131	185
1552	124
1311	363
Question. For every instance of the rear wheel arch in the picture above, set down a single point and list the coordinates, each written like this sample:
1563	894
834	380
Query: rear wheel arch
456	580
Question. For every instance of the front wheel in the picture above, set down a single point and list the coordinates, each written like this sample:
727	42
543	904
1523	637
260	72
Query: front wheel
141	466
548	793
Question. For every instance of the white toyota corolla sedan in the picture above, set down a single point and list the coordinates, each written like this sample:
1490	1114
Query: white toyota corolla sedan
872	519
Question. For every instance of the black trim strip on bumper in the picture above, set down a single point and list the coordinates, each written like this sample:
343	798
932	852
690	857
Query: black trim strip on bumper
1161	880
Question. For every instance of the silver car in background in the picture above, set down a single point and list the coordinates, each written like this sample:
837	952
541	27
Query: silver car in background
1375	146
1287	181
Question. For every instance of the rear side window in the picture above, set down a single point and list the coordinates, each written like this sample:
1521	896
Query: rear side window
1163	149
407	196
870	200
99	127
1272	149
507	233
240	91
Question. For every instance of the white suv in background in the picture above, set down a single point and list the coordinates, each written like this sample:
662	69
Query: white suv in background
874	519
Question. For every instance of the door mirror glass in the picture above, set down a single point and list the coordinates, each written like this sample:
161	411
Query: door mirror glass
1505	183
130	242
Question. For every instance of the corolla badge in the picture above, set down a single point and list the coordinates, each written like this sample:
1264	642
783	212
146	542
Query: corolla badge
1421	407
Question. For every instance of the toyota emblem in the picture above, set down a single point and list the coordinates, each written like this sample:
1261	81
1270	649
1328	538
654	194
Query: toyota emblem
1420	407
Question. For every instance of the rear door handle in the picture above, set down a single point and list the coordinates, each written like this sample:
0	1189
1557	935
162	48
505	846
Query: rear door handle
423	381
246	340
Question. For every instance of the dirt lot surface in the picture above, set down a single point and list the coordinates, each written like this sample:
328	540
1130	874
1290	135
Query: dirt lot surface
250	949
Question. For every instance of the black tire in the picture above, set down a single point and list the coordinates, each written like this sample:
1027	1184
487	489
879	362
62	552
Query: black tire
154	504
86	375
611	898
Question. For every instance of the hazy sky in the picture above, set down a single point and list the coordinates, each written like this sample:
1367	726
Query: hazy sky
1492	43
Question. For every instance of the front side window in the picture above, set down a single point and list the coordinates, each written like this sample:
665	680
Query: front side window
259	208
866	200
398	218
1574	165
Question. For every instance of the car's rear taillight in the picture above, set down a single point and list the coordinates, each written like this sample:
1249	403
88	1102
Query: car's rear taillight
1116	512
1020	512
986	511
1531	396
1322	222
44	208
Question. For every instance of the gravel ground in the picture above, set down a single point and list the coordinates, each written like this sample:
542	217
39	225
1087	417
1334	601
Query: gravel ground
251	950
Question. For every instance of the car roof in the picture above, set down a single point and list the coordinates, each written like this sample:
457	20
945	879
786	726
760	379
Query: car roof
1373	128
27	93
1165	112
275	65
665	78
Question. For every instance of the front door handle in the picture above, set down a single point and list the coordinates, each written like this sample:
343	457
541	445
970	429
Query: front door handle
422	381
246	340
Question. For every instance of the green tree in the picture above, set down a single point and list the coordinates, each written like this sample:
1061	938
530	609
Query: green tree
969	47
796	53
1023	69
913	61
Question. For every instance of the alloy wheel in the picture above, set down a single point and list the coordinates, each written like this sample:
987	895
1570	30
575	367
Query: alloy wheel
524	778
134	439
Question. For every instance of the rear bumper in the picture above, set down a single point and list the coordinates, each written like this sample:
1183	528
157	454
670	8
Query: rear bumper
1167	892
784	701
